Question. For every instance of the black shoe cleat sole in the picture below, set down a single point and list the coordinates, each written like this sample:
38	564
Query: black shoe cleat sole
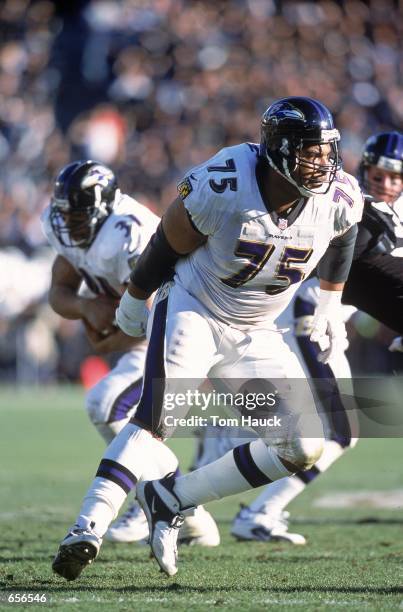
73	558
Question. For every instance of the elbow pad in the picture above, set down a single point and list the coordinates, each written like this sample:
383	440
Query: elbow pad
156	263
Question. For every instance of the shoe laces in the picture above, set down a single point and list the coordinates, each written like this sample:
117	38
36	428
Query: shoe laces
76	530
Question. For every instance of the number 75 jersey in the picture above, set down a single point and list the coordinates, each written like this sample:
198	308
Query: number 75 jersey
253	262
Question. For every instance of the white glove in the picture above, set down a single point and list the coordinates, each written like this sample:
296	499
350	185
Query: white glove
132	315
328	328
396	345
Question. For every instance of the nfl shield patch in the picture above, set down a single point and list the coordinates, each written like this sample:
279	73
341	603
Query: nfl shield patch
132	261
184	188
282	223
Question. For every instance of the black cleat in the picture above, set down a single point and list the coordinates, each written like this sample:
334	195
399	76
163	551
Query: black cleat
78	549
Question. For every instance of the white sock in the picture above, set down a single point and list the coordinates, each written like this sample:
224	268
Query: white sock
139	452
277	495
223	477
133	455
101	505
331	451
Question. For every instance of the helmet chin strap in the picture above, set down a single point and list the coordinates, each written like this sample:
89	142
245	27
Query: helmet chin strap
303	191
286	174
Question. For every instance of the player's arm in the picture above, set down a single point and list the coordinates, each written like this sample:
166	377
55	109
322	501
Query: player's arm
335	264
333	270
63	290
98	313
175	237
115	341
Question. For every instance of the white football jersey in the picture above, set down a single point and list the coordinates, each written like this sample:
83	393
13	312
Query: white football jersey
106	265
250	266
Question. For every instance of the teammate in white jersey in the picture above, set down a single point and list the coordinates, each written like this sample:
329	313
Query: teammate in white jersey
98	234
247	227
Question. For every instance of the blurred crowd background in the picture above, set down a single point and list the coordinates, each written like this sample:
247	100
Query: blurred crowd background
152	87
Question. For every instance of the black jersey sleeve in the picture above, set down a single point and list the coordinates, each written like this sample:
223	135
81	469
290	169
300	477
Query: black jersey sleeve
335	263
376	233
375	286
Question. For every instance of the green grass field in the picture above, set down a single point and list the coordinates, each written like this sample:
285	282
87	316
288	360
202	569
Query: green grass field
49	453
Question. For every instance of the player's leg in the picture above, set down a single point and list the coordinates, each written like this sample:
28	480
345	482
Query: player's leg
136	448
249	465
261	460
110	404
112	401
266	518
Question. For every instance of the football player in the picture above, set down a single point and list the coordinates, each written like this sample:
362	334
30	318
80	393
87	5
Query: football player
98	234
374	285
249	224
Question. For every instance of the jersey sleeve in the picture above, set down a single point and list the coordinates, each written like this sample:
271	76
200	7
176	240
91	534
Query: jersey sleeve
136	235
204	204
335	263
130	251
348	201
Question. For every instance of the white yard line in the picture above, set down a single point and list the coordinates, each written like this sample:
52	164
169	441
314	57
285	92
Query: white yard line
388	500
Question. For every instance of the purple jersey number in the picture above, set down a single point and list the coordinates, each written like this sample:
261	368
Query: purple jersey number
98	285
340	194
258	254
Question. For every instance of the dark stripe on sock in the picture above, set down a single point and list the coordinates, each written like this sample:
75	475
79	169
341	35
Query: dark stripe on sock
114	478
247	466
308	475
126	401
117	473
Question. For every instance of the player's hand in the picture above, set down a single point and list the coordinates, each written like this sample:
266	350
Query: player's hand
331	336
99	313
328	328
132	315
396	345
115	341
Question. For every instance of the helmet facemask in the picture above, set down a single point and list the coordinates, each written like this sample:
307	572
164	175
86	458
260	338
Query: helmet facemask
296	161
84	196
77	228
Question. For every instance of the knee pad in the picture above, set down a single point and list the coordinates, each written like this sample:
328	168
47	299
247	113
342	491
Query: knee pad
113	399
98	404
303	453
